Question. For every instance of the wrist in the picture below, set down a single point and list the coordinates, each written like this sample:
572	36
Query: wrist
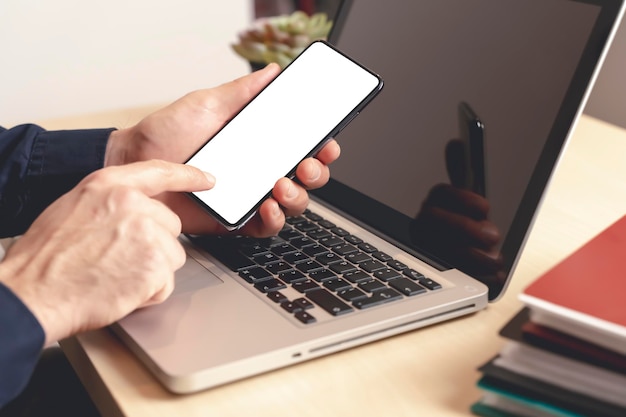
117	152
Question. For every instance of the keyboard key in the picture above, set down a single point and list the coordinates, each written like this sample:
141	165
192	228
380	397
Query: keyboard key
372	285
344	249
373	265
366	247
377	298
303	303
342	267
358	257
329	302
305	317
339	231
386	274
306	227
336	284
356	276
351	294
309	266
328	258
289	234
253	249
283	249
278	267
314	217
302	241
322	275
295	220
407	287
331	241
413	274
254	274
290	306
266	258
305	286
268	285
318	234
353	239
429	283
291	276
295	257
382	256
314	250
276	296
424	281
326	224
397	265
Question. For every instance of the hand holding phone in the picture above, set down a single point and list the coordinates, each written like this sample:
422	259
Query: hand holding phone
310	101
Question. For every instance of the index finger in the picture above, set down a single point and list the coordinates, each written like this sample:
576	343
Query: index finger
156	176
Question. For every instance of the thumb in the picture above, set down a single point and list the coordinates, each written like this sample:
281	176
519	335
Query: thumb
256	80
238	92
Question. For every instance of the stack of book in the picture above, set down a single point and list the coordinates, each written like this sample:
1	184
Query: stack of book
565	353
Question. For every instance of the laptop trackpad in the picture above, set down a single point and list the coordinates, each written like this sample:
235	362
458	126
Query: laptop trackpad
193	276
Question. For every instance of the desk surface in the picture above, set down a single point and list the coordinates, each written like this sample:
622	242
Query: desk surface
431	371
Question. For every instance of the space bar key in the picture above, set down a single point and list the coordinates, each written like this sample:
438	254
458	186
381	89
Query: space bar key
329	302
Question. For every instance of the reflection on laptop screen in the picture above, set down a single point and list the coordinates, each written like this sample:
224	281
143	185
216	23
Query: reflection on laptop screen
515	64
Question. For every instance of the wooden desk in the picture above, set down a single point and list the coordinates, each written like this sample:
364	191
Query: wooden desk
430	371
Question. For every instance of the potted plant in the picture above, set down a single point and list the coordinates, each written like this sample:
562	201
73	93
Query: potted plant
280	38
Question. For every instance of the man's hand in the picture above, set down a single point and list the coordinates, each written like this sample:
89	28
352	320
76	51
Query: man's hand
177	131
103	249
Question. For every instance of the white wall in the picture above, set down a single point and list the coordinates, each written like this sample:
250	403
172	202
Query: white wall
608	98
70	57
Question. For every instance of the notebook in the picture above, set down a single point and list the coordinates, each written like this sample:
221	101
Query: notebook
428	207
561	298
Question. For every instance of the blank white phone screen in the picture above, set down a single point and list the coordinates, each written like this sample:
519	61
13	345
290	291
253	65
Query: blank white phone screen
279	128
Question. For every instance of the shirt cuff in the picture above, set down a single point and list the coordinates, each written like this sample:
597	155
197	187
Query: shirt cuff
68	152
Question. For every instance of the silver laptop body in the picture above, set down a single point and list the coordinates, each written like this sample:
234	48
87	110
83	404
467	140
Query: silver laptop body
511	76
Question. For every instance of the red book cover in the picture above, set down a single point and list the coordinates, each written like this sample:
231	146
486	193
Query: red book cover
585	294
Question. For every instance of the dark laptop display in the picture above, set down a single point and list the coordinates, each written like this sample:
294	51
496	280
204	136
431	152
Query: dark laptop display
521	68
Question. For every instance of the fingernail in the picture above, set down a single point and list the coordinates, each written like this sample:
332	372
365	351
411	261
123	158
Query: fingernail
292	192
276	211
209	177
316	172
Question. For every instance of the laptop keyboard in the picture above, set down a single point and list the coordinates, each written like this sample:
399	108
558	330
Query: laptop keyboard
328	267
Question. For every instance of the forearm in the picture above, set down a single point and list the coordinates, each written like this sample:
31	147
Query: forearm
38	166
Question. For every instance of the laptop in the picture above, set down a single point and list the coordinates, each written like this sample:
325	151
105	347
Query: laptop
428	207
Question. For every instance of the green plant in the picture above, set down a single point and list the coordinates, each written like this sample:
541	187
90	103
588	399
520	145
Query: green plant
281	38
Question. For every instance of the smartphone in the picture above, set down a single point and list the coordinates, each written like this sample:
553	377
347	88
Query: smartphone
473	136
308	103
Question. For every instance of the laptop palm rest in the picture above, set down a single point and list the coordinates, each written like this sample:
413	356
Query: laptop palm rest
193	276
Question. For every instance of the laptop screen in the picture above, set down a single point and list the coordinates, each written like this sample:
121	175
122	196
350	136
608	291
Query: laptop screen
451	159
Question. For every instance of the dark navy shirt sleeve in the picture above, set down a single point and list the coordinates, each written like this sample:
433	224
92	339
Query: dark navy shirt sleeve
21	341
38	166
